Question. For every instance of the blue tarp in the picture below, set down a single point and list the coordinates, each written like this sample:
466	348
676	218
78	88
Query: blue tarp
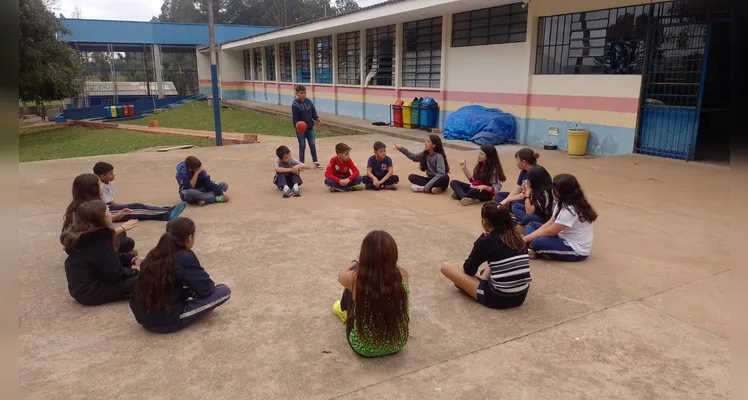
481	125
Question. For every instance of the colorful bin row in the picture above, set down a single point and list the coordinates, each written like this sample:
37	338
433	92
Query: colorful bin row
419	113
127	110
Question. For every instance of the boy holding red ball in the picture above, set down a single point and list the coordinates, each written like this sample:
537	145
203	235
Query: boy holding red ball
304	117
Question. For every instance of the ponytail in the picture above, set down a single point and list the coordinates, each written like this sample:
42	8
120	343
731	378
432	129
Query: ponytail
501	221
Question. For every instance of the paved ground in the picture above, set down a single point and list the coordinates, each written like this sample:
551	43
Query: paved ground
645	317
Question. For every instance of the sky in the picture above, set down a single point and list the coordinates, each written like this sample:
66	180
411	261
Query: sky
130	10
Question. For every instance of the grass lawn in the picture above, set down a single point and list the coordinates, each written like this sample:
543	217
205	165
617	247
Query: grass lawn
198	115
79	142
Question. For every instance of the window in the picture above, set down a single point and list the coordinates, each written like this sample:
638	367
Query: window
303	68
323	59
286	67
503	24
422	53
608	41
270	61
380	56
349	58
257	62
247	65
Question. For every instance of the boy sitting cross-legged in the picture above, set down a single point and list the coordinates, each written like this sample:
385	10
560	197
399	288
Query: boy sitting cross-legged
379	171
195	185
288	172
142	212
341	174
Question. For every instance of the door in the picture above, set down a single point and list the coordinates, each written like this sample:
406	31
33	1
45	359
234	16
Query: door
672	90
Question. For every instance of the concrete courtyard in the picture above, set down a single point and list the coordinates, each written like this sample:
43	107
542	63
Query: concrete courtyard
645	317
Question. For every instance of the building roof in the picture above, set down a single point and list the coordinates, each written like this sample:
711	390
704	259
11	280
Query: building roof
162	33
127	88
386	13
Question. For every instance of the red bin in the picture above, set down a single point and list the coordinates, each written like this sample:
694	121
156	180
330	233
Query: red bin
131	108
397	114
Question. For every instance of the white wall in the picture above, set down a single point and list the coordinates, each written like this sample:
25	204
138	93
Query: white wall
500	68
203	65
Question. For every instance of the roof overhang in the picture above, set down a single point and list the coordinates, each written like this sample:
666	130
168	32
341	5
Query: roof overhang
386	14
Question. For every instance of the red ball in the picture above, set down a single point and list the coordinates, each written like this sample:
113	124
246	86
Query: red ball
300	127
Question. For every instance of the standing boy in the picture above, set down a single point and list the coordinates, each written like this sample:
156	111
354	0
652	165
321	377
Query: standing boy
288	172
379	171
195	185
303	109
341	174
138	211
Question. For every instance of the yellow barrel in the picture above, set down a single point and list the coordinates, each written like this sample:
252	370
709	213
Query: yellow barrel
114	111
578	141
406	115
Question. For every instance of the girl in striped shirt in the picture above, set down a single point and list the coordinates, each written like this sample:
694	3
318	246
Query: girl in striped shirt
506	281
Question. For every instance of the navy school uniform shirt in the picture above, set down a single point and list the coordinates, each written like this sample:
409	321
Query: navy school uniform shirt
379	168
304	111
523	175
204	183
190	280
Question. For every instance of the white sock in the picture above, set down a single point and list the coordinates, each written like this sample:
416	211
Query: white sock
295	186
286	188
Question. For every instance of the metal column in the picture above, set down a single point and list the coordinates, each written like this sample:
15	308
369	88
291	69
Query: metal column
159	70
113	72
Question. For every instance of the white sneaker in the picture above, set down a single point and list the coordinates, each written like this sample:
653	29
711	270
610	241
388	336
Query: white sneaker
286	192
417	188
296	191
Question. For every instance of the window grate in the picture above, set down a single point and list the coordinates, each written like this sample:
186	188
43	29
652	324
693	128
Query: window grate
323	59
380	56
257	59
286	70
270	61
303	61
349	58
610	41
247	65
422	53
495	25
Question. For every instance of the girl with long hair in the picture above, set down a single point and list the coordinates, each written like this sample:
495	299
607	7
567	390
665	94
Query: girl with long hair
86	187
173	290
433	161
567	236
526	159
97	271
537	204
374	305
506	281
485	180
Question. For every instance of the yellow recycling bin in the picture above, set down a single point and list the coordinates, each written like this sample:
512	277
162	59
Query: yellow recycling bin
406	115
578	141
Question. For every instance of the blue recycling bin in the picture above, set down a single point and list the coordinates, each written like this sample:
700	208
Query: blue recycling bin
107	112
429	112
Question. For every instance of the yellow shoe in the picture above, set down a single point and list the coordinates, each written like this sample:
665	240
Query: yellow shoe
342	315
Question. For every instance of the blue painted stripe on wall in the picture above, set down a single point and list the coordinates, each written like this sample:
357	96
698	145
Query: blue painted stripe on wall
604	139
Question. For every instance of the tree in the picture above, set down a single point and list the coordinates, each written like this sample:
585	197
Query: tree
48	69
77	12
346	6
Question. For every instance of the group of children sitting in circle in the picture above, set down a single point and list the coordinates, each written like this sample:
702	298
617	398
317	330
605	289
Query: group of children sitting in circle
168	289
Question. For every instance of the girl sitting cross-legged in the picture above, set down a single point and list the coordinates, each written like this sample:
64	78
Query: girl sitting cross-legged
567	236
506	281
537	204
433	161
173	289
485	180
374	306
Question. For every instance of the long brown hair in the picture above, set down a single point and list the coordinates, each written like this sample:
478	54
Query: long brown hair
85	188
501	221
381	307
90	217
571	196
491	168
158	270
438	148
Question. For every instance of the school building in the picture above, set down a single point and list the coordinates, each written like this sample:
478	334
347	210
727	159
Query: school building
642	76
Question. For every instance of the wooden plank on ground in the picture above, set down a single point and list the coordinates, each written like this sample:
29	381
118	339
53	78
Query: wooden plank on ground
186	146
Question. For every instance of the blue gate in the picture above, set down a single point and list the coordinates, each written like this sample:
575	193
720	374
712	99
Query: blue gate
672	90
